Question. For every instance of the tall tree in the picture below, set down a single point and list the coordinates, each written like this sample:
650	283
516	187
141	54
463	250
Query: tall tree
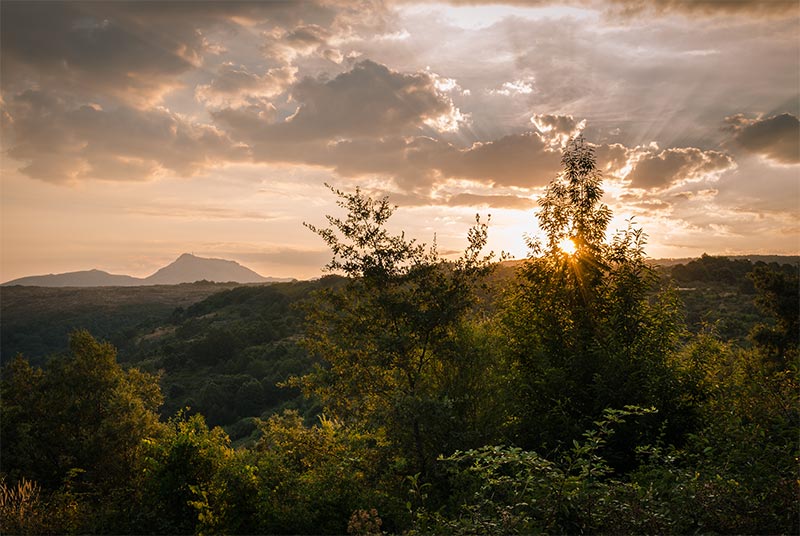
584	321
385	337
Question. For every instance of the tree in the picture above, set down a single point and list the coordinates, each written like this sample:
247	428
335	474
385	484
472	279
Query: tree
778	295
76	428
387	334
585	320
83	413
192	481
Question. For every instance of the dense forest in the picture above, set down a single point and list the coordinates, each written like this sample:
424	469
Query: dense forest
583	390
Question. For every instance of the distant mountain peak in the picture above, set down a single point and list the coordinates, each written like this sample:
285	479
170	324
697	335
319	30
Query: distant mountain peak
187	268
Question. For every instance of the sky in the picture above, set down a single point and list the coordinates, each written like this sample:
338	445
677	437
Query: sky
134	132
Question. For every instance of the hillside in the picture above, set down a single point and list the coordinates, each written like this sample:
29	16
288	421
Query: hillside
223	347
37	320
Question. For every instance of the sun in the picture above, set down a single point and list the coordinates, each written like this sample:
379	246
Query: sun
567	246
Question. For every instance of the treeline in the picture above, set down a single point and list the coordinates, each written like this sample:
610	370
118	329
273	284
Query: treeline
570	399
38	320
718	293
723	271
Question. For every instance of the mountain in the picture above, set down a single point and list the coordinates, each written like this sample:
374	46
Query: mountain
188	269
185	269
86	278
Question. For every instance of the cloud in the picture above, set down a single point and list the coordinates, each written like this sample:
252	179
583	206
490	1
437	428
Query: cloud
612	159
514	88
558	129
137	52
521	160
524	160
776	137
305	40
104	47
63	143
659	7
738	7
366	126
659	170
373	120
494	201
368	101
234	85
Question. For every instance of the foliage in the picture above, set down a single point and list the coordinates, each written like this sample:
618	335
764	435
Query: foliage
778	293
312	480
202	338
192	481
25	508
506	490
388	333
75	429
589	329
37	320
718	292
224	356
712	269
83	412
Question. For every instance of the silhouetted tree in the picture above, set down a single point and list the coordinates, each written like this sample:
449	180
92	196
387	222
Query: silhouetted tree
584	320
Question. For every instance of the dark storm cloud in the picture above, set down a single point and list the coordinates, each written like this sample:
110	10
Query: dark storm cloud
62	143
671	166
776	137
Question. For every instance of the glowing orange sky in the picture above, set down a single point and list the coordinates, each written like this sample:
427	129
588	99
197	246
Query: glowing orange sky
133	132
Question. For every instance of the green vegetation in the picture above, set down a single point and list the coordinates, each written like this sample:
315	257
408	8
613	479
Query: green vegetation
441	396
38	320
